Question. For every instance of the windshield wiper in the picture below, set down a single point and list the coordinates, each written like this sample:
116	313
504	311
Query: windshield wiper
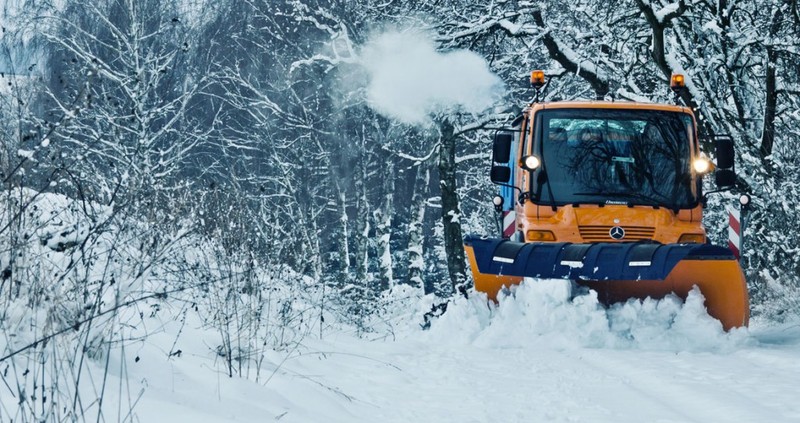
638	197
608	194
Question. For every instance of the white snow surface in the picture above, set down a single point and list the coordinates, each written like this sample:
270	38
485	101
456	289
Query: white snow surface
409	80
546	351
537	356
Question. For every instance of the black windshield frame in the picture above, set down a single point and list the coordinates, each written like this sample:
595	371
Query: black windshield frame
630	156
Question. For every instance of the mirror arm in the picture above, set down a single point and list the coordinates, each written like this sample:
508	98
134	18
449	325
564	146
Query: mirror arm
522	195
716	191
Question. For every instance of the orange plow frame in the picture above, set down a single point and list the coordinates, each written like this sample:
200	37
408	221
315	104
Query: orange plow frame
721	282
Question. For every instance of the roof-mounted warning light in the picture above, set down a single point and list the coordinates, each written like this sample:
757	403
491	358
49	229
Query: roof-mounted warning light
677	83
537	79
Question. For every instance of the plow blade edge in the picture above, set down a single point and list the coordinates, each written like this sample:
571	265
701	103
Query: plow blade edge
618	271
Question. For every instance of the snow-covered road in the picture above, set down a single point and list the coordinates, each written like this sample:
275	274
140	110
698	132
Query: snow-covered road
538	357
415	382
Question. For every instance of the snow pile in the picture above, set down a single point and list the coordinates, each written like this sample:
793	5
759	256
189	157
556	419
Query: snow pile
409	80
545	312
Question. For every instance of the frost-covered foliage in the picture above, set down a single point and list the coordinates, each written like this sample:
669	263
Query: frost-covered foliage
83	284
75	284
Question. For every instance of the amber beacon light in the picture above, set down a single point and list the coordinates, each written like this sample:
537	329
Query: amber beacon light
677	82
537	79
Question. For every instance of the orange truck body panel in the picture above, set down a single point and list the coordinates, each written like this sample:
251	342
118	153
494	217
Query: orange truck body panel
591	223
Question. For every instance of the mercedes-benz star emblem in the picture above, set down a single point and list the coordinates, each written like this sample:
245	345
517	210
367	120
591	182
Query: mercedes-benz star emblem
617	232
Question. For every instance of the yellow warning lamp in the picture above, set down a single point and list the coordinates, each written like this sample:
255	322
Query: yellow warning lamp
537	79
540	236
692	239
677	82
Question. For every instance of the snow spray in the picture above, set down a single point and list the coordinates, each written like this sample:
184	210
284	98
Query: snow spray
409	80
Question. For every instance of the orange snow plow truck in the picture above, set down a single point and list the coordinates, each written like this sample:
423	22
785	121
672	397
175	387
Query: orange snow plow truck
609	195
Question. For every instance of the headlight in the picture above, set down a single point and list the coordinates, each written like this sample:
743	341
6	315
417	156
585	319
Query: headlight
531	162
701	165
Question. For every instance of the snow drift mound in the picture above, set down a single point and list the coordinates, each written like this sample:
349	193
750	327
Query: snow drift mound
546	313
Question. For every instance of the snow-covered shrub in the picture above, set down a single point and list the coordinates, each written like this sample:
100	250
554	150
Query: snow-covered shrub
83	283
74	275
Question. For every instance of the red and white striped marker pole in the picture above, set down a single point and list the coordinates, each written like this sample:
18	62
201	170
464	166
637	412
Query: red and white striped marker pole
736	226
734	231
509	223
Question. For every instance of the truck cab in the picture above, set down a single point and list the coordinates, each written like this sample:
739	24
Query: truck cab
607	172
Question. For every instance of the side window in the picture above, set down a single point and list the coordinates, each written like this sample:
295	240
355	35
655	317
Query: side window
689	123
535	140
536	134
523	137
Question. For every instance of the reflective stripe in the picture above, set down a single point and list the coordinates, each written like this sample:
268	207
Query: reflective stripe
571	263
503	259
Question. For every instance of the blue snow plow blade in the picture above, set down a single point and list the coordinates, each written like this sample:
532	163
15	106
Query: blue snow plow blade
592	262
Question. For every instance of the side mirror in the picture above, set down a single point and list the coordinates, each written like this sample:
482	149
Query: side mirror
725	178
725	175
725	153
500	174
501	150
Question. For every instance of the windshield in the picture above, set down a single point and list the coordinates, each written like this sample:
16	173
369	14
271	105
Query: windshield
606	156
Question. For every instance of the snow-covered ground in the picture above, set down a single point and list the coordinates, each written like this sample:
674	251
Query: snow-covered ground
546	352
537	357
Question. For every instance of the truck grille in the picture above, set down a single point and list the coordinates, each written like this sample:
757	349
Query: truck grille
601	233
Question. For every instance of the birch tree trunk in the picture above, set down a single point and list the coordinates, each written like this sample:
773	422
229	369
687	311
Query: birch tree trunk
362	224
416	263
383	230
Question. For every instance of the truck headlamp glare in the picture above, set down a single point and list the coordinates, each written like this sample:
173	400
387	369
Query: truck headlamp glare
701	165
531	162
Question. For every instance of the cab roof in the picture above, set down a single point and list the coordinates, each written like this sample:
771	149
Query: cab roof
630	105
